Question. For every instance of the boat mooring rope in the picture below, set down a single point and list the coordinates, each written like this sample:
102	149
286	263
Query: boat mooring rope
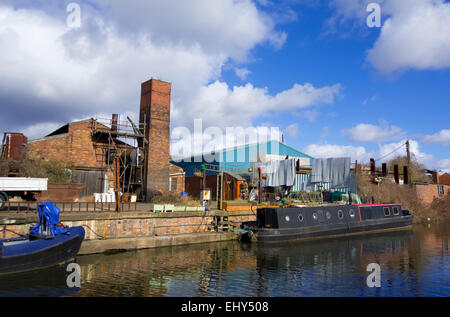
98	235
19	234
23	235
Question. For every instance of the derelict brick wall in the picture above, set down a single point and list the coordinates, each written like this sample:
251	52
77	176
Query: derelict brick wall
138	227
54	148
177	175
15	145
155	108
76	146
444	179
174	169
427	193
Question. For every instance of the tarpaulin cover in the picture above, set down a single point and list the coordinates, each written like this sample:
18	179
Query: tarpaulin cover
49	220
335	171
279	173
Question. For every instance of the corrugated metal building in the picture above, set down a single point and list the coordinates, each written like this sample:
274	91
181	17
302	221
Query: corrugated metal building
303	183
242	157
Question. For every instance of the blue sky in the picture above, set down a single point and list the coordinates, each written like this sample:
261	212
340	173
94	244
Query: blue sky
313	68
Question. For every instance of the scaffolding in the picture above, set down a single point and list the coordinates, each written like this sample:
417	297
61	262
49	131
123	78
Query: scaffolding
120	147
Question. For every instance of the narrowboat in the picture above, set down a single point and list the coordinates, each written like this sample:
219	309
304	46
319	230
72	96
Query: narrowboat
299	223
48	244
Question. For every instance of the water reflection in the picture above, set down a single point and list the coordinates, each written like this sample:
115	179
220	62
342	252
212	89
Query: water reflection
413	263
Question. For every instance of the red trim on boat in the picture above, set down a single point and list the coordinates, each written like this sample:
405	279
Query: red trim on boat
366	205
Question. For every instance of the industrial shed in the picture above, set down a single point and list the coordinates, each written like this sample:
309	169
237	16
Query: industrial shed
234	164
242	157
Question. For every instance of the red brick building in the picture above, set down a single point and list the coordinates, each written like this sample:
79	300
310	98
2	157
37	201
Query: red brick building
89	145
444	179
13	145
177	178
72	142
439	188
75	143
428	192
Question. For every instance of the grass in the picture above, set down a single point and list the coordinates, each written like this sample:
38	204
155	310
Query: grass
176	199
390	192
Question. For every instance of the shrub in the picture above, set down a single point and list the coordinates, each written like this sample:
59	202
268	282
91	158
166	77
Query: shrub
174	198
36	167
390	192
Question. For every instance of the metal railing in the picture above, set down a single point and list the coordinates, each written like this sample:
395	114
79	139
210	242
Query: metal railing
68	206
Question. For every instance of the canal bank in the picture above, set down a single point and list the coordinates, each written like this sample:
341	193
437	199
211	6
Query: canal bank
112	231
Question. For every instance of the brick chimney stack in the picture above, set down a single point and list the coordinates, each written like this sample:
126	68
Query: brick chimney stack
155	113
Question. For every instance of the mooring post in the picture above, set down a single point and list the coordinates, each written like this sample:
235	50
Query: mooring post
259	185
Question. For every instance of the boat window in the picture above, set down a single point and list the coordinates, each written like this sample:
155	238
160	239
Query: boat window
314	216
351	213
395	211
340	214
300	217
287	218
328	214
387	211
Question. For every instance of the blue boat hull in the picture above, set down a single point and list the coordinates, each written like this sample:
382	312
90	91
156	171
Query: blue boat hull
20	255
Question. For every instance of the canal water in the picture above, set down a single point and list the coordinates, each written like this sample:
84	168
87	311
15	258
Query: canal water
412	263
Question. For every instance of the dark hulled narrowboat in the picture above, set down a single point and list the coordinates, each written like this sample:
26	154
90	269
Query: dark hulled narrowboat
48	244
297	223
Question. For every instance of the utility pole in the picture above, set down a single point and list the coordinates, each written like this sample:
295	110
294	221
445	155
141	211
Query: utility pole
408	153
408	161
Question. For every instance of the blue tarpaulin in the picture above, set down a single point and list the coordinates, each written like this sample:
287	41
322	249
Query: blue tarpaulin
49	220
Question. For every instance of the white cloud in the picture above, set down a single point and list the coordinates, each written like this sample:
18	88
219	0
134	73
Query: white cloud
223	27
242	73
292	130
365	132
51	73
311	115
415	34
325	132
332	150
40	129
371	99
444	165
442	137
399	149
386	152
220	105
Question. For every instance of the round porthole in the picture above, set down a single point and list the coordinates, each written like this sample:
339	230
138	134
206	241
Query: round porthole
340	214
300	217
351	213
287	218
328	214
314	216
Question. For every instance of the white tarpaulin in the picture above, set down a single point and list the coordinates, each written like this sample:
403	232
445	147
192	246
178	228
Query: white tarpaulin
335	171
279	173
265	158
